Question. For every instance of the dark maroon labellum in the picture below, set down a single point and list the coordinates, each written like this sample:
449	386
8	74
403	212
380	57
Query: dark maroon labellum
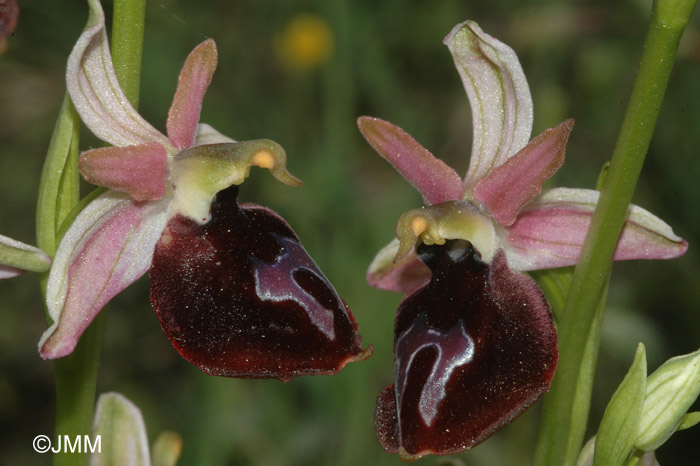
240	297
473	349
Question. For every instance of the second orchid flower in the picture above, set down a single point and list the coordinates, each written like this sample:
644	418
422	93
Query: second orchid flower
474	341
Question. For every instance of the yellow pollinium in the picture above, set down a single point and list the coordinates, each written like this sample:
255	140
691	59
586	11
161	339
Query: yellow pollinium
197	174
263	159
418	225
440	222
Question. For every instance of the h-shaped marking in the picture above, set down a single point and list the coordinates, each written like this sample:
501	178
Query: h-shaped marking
454	348
275	282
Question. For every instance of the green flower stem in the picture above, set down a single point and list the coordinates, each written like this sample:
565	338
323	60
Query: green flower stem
127	45
58	193
76	375
563	422
76	382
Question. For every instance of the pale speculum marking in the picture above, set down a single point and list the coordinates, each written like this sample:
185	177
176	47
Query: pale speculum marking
275	282
454	348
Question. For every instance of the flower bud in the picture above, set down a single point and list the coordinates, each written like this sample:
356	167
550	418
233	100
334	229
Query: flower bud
671	390
618	428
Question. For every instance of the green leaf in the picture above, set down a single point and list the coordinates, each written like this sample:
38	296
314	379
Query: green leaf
70	216
120	426
640	458
22	256
555	284
68	193
618	428
59	182
689	420
671	390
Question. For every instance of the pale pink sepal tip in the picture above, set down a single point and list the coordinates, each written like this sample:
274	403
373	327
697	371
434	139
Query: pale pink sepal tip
193	82
432	177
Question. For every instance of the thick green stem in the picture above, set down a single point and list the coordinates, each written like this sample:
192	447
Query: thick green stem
76	381
76	375
563	422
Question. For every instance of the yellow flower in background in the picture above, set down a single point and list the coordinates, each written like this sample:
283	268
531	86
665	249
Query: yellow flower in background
305	42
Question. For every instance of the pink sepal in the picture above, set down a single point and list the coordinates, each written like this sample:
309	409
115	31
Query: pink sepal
508	187
434	179
192	84
96	93
403	276
109	246
550	231
141	171
498	95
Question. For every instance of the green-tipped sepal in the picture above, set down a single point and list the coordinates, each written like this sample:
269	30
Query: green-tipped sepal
16	257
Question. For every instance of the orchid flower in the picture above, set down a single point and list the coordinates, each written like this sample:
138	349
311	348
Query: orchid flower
474	340
234	290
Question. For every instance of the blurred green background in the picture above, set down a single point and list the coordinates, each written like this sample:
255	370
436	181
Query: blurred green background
384	59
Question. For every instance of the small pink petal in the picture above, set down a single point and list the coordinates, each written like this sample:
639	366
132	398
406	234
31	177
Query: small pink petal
108	247
403	276
508	187
436	181
194	80
96	93
140	171
550	231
